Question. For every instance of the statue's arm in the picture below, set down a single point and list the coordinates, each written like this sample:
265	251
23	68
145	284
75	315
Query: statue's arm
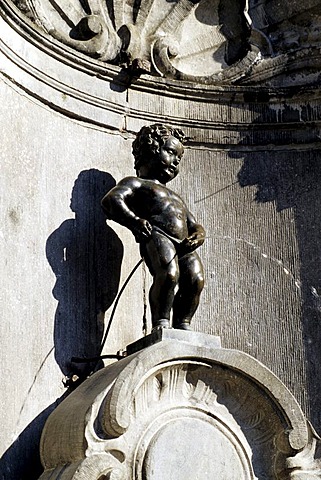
196	232
116	206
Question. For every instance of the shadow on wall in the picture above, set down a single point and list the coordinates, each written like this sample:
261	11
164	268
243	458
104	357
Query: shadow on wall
85	254
284	181
293	181
22	460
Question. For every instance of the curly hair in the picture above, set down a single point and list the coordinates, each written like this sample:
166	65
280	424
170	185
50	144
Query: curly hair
149	140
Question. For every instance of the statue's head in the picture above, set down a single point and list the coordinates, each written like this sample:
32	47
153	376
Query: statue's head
151	139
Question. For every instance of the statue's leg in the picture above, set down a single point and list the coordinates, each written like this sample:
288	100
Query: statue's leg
191	284
161	258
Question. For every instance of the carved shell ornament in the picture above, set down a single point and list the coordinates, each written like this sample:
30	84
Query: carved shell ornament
193	40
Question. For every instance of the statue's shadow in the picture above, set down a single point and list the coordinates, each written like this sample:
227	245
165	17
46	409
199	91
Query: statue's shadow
85	255
22	459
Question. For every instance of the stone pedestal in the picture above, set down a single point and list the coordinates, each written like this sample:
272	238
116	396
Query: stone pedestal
181	407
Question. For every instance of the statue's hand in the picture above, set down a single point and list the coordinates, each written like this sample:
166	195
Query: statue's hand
194	241
141	229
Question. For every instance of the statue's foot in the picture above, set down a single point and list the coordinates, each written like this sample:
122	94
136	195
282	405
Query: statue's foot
162	322
183	326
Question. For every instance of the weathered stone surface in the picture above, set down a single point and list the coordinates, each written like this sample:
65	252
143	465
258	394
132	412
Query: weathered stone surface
160	334
251	171
209	42
180	410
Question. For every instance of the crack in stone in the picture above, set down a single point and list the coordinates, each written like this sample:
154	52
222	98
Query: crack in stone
30	389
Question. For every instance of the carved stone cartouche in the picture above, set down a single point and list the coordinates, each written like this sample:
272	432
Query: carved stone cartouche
181	408
194	39
209	42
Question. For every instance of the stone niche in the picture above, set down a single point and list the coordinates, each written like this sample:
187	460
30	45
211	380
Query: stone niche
183	408
248	97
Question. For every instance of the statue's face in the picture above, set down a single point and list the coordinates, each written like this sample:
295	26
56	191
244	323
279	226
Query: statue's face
165	164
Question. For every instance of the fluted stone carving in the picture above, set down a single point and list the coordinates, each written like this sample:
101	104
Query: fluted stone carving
210	42
184	39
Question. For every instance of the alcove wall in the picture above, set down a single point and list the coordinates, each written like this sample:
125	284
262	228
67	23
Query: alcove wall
250	174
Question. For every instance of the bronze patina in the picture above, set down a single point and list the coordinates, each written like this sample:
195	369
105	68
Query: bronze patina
162	224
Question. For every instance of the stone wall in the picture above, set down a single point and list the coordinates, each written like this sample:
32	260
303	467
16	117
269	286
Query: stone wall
250	174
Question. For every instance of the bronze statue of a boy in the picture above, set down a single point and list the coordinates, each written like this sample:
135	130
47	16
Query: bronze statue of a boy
161	222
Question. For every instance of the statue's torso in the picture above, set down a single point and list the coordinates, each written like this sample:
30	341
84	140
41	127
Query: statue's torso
161	207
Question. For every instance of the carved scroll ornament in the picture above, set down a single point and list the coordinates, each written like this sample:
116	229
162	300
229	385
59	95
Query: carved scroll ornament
180	411
196	40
